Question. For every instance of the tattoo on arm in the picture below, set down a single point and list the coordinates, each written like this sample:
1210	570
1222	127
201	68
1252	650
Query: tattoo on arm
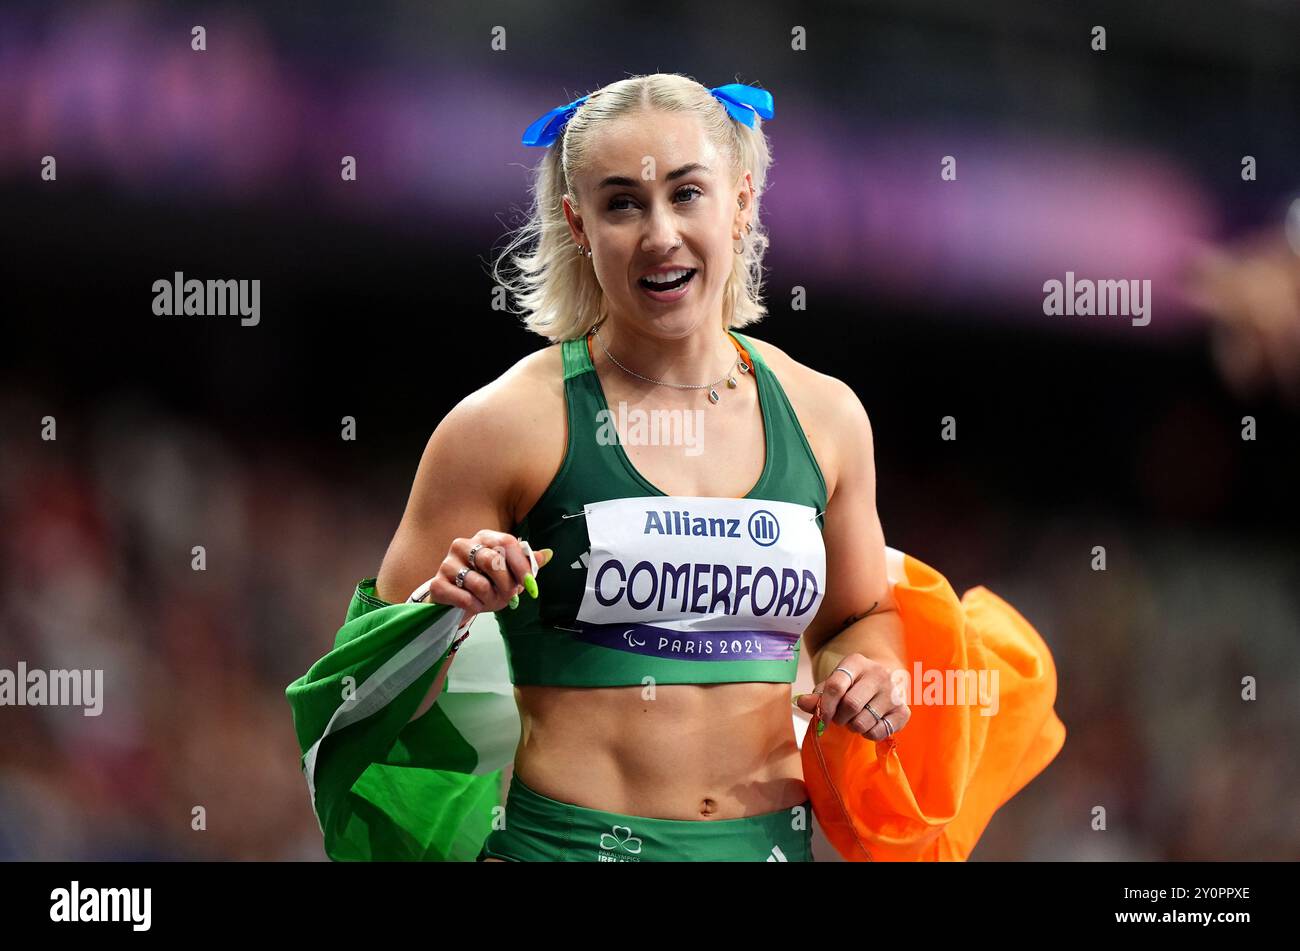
854	619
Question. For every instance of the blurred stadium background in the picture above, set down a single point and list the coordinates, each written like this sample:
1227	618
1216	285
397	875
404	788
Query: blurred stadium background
926	296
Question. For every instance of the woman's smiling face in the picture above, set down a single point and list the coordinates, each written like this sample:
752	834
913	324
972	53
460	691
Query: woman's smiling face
686	215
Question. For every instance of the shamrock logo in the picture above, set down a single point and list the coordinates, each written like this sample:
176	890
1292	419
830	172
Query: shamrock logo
616	842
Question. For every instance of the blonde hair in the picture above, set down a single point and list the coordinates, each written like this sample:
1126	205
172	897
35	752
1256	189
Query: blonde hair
553	285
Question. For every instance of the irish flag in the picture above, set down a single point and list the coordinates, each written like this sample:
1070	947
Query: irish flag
388	784
385	786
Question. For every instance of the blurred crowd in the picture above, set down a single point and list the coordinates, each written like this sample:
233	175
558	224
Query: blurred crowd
100	527
194	756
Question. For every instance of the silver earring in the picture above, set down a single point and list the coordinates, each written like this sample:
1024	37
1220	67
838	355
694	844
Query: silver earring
749	228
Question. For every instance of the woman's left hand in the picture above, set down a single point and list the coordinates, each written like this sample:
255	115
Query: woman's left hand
857	682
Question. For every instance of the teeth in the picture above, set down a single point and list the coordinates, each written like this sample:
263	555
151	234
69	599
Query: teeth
667	277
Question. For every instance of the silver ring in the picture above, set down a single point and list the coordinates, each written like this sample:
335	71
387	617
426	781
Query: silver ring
847	671
889	729
460	577
873	713
471	556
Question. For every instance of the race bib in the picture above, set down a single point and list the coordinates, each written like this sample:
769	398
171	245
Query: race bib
701	578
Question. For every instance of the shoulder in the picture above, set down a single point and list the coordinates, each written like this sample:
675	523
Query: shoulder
472	470
501	422
830	392
512	428
508	404
827	407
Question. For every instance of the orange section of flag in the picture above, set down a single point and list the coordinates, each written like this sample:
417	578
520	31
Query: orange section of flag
929	792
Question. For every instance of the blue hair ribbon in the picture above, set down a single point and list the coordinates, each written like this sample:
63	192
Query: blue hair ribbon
742	103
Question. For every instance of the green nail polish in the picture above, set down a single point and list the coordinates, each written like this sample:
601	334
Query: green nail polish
531	584
514	601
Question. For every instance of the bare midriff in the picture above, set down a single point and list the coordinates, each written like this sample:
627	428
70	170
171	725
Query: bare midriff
687	751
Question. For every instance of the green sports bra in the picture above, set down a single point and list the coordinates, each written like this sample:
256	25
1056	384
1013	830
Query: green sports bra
646	587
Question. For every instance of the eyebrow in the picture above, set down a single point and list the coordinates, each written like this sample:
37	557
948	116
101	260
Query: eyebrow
624	182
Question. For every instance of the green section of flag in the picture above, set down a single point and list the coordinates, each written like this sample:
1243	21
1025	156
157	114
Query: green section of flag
384	788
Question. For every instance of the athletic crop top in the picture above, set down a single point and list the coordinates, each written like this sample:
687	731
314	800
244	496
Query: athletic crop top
678	589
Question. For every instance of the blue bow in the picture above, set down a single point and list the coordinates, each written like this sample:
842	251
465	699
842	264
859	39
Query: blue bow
741	101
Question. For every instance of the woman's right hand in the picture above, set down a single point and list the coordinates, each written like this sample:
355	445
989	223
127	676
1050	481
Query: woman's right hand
499	574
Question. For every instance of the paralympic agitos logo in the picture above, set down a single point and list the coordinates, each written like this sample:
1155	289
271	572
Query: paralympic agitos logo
762	526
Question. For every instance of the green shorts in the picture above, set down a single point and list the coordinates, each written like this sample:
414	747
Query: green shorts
540	829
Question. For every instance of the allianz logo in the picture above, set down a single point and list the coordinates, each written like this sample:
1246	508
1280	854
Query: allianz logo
762	526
